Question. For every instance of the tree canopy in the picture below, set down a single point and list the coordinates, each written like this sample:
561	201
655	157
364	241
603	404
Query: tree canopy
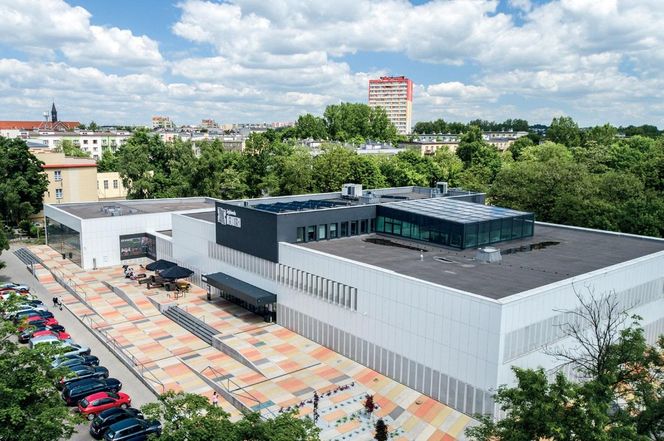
31	408
67	147
602	181
191	417
621	395
22	182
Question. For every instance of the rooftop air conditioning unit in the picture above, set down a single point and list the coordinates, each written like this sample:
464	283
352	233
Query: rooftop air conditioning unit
442	188
351	191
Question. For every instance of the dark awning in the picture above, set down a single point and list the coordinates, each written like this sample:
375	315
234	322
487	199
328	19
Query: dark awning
242	290
159	265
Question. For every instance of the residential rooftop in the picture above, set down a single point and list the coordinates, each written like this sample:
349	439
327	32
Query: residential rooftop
554	253
92	210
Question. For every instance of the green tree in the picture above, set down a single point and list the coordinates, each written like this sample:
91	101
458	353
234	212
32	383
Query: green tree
4	243
31	408
621	396
346	121
67	147
332	168
517	146
563	130
294	172
93	127
602	135
151	168
22	181
309	126
108	162
192	417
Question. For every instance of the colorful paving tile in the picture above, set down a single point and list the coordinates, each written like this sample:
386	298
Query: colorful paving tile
286	368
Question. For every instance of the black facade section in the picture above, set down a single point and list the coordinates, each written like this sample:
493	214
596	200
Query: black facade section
258	232
245	229
326	224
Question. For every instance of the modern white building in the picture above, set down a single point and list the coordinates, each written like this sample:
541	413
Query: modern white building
396	279
94	143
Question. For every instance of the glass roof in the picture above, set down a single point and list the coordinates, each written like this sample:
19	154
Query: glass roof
285	207
455	211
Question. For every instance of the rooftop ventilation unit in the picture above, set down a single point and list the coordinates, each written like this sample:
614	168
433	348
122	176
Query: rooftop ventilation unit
369	198
442	188
351	191
488	255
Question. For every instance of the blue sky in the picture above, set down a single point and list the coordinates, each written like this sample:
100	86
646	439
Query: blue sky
250	60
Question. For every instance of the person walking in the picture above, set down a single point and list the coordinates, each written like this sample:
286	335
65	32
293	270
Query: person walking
59	302
55	301
215	399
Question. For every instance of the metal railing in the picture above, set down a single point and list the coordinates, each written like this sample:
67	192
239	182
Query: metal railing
103	331
236	387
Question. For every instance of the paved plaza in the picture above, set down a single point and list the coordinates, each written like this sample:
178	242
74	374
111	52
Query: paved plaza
260	366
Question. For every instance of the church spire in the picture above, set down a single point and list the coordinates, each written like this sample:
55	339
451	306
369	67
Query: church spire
54	113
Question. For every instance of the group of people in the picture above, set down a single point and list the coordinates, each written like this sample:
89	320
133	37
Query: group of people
129	272
314	401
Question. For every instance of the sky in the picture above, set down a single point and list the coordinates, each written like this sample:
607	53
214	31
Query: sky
122	61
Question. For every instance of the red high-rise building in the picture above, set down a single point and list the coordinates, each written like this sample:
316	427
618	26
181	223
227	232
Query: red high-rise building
395	95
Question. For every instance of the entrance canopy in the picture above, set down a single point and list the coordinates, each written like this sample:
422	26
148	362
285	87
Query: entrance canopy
244	291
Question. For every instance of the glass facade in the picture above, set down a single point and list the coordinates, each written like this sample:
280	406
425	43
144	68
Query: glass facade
64	240
335	230
453	234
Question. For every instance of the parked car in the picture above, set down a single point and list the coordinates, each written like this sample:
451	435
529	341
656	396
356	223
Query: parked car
73	360
28	333
60	334
17	316
14	287
132	428
93	404
108	417
7	293
76	391
44	340
37	320
71	348
81	372
23	311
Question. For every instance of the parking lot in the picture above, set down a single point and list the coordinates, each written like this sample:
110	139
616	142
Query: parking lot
15	271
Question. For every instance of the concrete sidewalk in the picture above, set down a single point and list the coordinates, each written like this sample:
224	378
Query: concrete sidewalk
16	271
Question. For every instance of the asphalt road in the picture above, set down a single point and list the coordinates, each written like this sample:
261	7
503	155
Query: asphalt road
16	271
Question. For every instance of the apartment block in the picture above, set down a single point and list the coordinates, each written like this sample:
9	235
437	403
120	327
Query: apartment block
395	95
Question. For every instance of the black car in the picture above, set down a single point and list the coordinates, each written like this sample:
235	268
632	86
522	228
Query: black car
73	392
26	335
132	428
109	417
73	360
31	312
81	372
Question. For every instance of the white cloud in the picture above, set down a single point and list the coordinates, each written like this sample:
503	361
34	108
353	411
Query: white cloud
272	60
47	26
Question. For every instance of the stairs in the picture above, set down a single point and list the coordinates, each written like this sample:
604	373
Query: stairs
192	324
26	256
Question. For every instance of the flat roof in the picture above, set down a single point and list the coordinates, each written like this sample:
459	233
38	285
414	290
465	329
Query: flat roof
92	210
207	216
553	254
455	210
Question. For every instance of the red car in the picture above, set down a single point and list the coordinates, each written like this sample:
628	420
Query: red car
37	320
96	403
61	335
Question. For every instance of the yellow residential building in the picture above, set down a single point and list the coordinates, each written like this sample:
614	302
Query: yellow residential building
109	186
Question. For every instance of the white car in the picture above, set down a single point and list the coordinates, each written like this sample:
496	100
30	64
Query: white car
44	340
15	287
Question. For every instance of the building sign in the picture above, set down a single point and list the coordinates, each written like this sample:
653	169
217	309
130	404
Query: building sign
133	246
228	217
